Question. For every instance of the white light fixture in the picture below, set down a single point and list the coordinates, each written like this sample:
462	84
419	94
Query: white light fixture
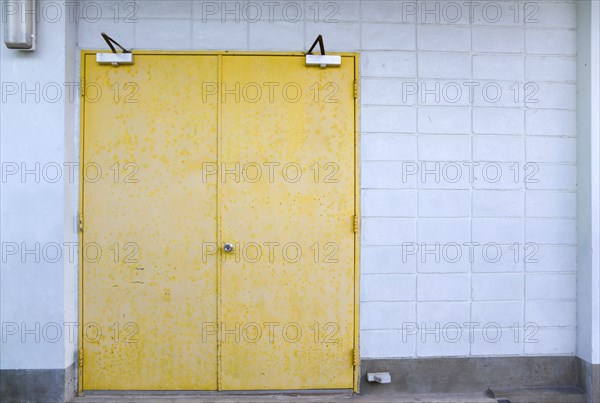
19	18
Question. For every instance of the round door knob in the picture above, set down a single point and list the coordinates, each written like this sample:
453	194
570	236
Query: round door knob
228	247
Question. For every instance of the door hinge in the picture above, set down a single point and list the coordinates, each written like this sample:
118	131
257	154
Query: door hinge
355	358
81	358
81	222
82	87
355	89
356	224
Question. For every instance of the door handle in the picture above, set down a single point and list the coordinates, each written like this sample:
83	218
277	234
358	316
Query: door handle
228	248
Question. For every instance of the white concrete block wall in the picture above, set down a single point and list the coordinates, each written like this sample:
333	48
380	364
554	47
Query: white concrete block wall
38	285
588	197
468	141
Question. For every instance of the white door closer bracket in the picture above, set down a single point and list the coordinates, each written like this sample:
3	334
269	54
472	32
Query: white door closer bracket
114	58
322	60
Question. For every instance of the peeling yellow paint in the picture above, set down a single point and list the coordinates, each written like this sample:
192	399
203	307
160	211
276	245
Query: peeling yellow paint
180	319
165	214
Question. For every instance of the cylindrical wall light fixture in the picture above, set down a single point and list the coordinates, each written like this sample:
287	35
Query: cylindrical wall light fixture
19	19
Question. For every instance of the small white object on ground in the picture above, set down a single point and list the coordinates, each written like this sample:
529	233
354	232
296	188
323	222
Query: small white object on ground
379	377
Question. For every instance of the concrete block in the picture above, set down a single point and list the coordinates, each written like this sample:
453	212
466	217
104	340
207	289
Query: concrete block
376	36
494	203
443	38
443	287
444	65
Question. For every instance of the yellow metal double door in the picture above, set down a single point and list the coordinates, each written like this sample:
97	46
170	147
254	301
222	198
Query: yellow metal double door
182	154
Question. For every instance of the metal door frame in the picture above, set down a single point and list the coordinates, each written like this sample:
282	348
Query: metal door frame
357	210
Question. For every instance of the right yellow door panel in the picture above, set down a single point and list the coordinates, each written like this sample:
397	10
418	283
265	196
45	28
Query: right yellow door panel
287	288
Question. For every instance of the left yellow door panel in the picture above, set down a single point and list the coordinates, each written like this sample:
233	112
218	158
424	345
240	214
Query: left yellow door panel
147	297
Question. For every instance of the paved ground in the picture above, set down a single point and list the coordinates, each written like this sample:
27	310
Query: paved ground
324	398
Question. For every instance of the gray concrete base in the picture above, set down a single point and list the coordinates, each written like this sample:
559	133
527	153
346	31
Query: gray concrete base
409	377
471	374
287	398
37	385
589	379
70	383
